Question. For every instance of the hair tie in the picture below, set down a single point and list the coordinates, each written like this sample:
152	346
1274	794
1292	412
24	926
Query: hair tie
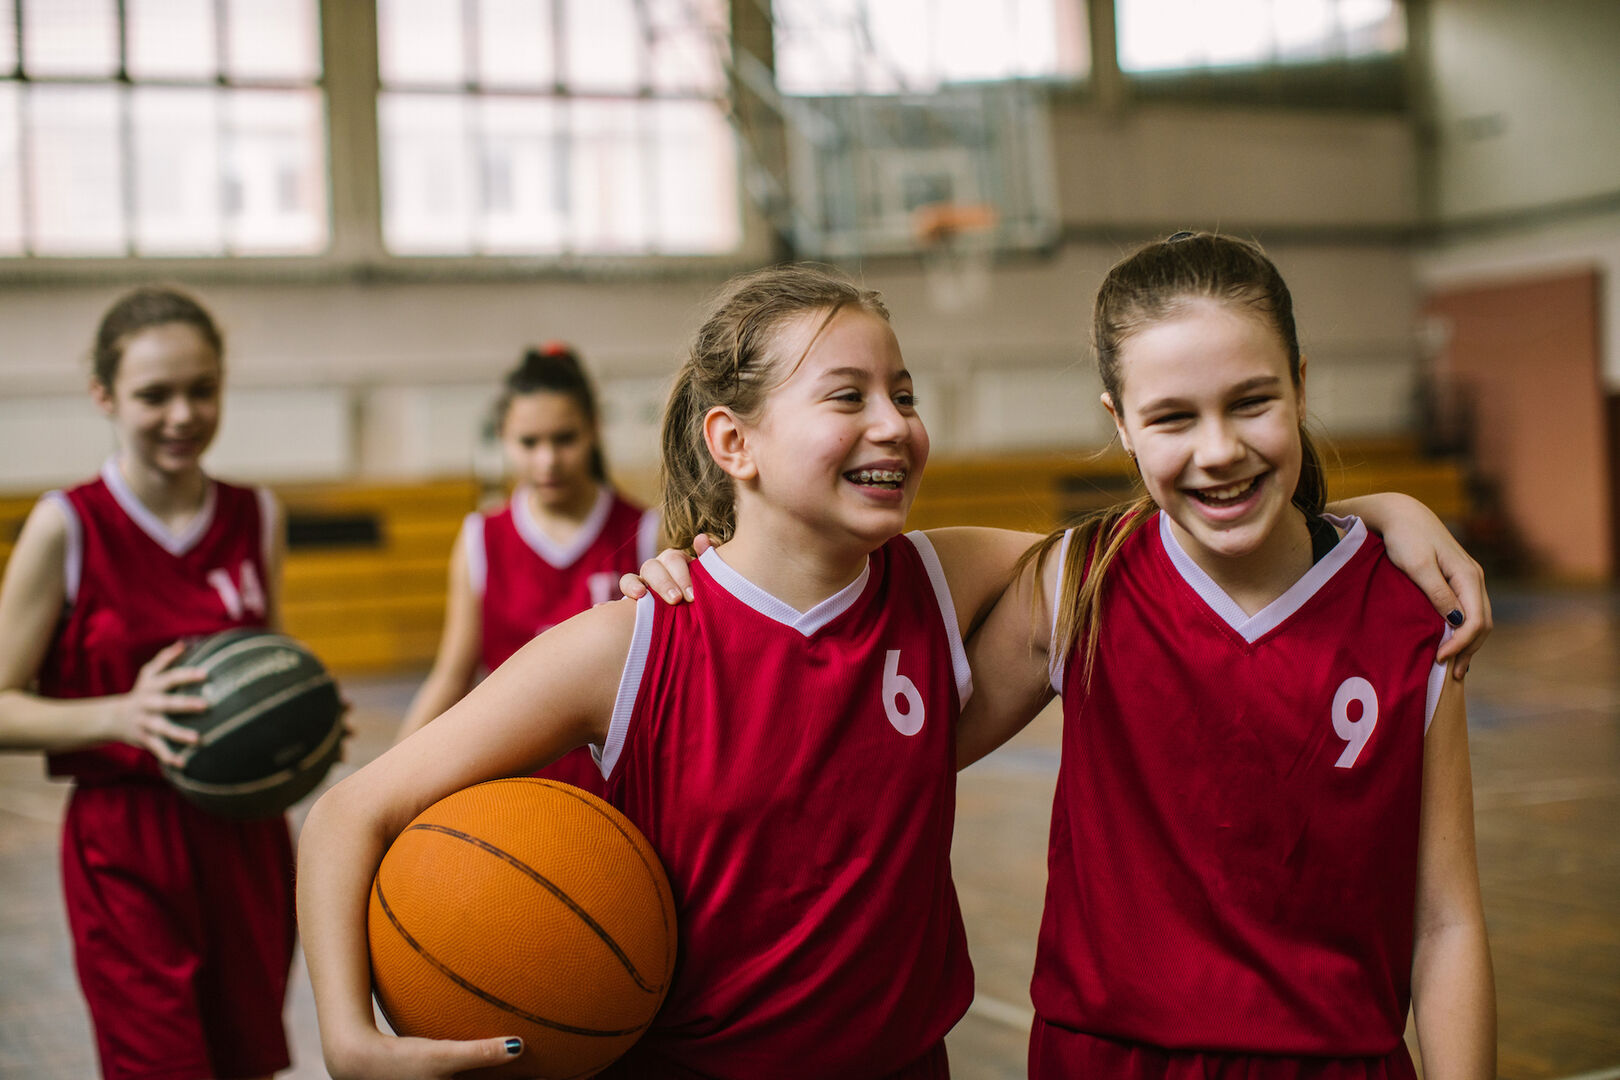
1177	237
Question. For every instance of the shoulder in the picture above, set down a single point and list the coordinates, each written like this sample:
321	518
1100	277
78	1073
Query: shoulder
49	525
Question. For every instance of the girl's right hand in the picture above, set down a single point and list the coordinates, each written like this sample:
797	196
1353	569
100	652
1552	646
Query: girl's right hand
387	1057
143	713
665	574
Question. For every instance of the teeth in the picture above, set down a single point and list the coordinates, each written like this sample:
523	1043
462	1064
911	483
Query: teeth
879	476
1230	492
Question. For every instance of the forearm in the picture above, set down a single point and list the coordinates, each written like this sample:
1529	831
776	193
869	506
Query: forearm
339	850
1454	999
31	722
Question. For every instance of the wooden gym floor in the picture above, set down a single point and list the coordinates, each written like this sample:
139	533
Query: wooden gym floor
1544	704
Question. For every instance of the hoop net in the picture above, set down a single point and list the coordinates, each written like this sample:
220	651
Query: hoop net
957	242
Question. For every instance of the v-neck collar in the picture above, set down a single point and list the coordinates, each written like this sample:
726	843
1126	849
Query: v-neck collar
175	543
778	610
560	555
1252	628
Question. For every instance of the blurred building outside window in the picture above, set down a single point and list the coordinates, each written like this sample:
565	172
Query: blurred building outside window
161	128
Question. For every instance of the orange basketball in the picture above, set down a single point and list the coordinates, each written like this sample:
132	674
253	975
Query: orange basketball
523	907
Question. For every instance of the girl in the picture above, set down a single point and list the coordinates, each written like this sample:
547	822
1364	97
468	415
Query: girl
182	923
787	744
1262	844
557	547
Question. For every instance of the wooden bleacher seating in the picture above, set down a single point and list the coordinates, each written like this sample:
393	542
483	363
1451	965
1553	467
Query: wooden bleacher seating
365	577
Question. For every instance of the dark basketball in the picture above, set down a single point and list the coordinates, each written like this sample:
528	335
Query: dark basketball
273	727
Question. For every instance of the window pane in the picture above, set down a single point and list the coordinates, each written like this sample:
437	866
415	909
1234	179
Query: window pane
171	39
272	39
690	39
11	231
275	172
817	51
607	178
1166	35
516	44
8	36
177	178
426	174
421	42
70	37
603	45
696	179
74	170
522	192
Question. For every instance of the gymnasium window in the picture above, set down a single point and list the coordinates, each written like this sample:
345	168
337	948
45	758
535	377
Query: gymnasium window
831	47
556	127
161	128
1193	35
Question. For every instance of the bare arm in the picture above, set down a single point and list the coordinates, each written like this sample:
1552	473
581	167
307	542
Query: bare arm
457	659
31	601
1421	546
1008	654
553	695
1453	990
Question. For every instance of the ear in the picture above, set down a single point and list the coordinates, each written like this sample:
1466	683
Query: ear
102	395
727	441
1119	423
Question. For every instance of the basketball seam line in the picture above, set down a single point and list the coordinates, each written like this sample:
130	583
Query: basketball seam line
253	712
506	1006
653	874
249	787
540	879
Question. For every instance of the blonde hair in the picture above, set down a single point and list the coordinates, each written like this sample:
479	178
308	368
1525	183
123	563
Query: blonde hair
732	363
1144	288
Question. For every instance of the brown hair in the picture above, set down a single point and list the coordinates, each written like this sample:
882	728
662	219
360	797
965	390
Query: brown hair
732	363
554	368
142	309
1146	287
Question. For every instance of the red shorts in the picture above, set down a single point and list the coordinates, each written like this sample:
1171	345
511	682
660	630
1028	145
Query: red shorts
182	933
1057	1053
933	1065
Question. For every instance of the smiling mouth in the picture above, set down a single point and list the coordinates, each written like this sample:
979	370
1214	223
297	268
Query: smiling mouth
1228	495
888	479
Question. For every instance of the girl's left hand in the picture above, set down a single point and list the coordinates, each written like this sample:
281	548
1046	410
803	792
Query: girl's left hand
1454	584
665	574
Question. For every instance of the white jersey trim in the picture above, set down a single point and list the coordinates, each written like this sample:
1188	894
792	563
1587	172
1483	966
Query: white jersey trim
175	543
947	611
647	536
624	704
1437	683
73	554
1057	656
472	548
1253	627
561	556
805	622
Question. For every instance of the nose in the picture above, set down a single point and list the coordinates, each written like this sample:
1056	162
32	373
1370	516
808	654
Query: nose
1218	445
181	411
888	423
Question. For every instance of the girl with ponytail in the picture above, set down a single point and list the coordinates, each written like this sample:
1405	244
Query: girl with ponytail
556	547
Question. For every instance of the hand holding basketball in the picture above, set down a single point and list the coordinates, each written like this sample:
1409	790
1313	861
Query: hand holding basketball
143	718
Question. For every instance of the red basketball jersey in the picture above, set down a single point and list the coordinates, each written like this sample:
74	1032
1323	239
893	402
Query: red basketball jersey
133	587
796	773
1233	854
528	583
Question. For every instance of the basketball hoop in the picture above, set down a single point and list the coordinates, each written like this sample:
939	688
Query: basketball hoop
957	242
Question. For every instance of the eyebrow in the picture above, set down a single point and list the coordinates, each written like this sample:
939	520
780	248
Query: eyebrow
1256	383
858	373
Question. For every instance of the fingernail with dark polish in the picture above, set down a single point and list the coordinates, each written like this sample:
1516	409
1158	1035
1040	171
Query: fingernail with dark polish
1454	617
514	1046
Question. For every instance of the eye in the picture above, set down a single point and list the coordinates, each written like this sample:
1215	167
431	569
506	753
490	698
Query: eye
528	442
1252	404
1170	419
852	397
906	399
